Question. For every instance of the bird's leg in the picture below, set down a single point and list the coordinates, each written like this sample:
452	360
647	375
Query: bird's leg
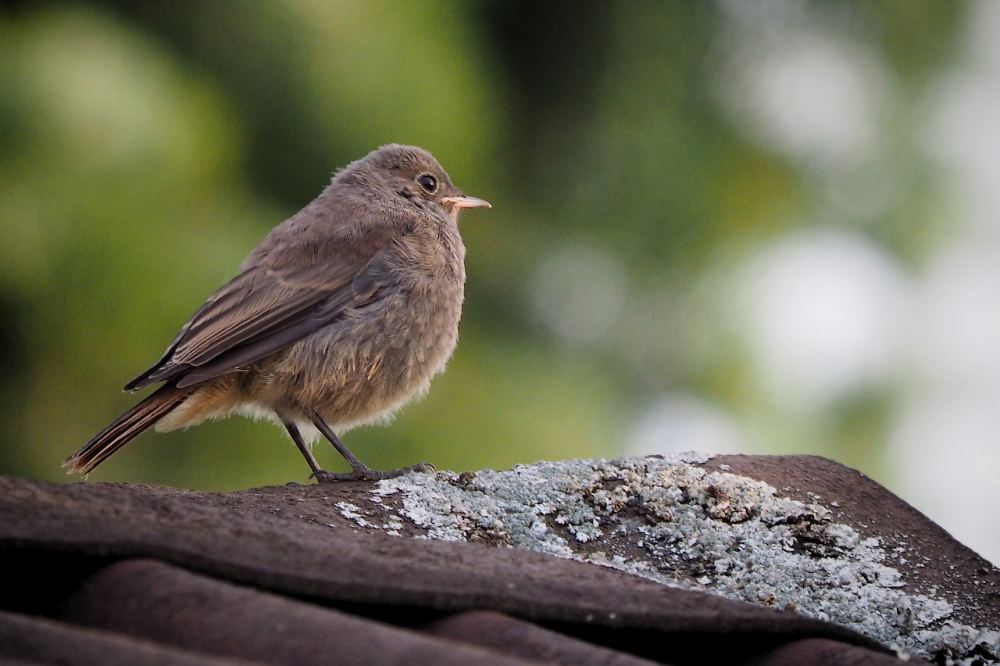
359	470
307	453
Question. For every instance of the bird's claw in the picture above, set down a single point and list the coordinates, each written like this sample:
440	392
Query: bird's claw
368	474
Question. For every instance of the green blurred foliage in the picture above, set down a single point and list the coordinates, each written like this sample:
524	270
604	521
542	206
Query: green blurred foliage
145	148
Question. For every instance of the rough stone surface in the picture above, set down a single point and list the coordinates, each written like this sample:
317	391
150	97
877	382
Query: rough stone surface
293	545
685	524
695	535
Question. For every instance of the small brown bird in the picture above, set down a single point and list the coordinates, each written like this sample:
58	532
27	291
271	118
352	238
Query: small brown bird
340	316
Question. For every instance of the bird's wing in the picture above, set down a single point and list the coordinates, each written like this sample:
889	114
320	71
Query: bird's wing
260	311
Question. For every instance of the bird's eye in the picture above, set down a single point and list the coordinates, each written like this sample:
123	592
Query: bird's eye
428	182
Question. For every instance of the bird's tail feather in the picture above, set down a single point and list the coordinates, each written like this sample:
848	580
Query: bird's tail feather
126	428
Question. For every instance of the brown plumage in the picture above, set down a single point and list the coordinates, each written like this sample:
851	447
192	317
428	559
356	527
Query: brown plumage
340	316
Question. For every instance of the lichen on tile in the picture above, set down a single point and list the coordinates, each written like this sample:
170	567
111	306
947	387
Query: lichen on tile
681	524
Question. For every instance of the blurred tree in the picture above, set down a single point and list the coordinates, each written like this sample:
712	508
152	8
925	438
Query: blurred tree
145	147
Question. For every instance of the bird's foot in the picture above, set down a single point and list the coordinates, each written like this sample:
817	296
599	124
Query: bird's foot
325	476
365	473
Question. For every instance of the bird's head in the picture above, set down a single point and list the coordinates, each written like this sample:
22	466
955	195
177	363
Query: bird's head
415	175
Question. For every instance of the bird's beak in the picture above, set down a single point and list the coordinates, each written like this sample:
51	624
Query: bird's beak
459	203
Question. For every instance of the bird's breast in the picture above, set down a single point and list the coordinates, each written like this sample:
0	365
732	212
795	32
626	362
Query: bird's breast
376	356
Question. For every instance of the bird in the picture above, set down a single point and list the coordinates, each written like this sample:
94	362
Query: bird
340	316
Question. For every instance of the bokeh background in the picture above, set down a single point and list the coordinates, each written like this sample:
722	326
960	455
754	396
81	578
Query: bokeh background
763	227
